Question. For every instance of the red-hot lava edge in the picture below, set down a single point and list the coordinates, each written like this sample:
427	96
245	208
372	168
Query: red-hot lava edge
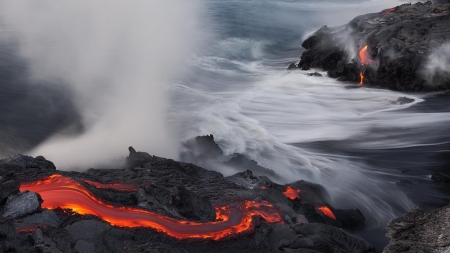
66	193
114	186
294	194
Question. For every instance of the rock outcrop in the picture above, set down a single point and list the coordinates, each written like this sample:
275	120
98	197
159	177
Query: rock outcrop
420	231
404	48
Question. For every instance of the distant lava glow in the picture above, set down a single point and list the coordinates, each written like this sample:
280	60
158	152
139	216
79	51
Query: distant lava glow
292	193
387	11
114	186
66	193
327	211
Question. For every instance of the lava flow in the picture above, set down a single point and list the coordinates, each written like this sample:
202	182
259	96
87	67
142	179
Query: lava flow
388	11
327	211
364	60
114	186
361	78
66	193
292	193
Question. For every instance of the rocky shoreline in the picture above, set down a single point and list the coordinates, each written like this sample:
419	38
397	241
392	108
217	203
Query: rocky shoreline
179	191
405	48
186	192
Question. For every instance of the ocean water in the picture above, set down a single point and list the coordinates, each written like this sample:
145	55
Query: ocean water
353	140
367	151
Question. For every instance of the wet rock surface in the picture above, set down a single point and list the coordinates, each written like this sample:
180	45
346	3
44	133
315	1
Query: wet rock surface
405	45
182	191
420	231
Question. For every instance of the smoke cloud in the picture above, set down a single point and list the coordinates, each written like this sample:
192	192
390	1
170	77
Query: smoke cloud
118	57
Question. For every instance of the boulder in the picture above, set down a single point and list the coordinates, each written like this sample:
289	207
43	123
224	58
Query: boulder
8	186
22	204
47	217
87	229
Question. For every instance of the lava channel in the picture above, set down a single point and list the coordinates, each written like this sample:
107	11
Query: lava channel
115	186
364	60
66	193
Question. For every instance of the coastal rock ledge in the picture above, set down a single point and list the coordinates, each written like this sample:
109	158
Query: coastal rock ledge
420	231
404	48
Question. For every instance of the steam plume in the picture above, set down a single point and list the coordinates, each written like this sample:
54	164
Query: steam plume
118	57
437	64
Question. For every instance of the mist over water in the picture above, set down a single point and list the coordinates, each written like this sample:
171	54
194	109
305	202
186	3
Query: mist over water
118	58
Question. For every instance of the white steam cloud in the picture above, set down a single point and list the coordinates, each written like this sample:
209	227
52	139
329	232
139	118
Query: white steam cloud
118	57
437	63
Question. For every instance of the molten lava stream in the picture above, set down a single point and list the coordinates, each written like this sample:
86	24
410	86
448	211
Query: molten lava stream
363	58
327	211
66	193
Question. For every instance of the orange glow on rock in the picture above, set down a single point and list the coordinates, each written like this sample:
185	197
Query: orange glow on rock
114	186
292	193
27	230
361	77
327	211
388	11
363	58
66	193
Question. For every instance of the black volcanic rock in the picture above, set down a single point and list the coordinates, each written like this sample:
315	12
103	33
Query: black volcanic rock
314	238
184	192
204	147
241	162
420	231
402	42
46	217
22	204
440	178
191	206
8	186
25	162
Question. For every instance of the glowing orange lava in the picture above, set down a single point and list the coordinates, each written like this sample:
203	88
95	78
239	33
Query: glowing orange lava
27	230
363	58
292	193
361	77
66	193
115	186
388	11
326	210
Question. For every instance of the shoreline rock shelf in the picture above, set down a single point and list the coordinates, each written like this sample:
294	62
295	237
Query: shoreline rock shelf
404	48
